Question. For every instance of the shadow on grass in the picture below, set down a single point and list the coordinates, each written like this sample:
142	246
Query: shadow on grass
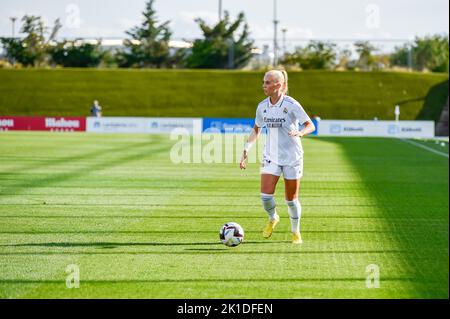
108	244
356	231
197	280
171	205
223	249
180	217
130	244
92	155
433	102
235	251
108	162
423	249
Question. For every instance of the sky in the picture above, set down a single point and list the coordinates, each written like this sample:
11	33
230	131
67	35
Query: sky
390	21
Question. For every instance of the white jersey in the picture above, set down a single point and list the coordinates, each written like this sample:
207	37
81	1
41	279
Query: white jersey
280	119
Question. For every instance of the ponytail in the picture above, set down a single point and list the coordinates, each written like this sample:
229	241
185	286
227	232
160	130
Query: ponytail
285	87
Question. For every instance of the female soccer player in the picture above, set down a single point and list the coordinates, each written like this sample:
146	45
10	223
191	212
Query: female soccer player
283	152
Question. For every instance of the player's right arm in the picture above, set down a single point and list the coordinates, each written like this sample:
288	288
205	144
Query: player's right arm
251	140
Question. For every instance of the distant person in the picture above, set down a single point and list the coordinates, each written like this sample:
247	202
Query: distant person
96	109
283	152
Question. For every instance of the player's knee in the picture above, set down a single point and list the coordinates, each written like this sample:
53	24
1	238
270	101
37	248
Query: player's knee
291	197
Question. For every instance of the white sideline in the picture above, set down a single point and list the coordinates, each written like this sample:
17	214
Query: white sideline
425	147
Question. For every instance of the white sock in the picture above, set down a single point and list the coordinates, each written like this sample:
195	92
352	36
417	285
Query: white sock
295	213
269	205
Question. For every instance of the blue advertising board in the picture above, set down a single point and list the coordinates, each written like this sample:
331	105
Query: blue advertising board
227	125
233	125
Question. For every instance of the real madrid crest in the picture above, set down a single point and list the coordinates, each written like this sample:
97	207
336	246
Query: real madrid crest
285	110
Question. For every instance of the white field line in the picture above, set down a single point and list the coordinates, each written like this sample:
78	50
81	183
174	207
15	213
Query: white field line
425	147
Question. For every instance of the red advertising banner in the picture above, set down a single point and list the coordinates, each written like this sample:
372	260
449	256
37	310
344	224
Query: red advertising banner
35	123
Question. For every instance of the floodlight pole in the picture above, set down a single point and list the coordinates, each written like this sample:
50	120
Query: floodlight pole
13	20
220	10
410	61
284	40
275	41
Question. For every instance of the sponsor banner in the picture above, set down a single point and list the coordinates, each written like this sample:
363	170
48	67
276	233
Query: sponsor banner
40	123
159	125
65	124
115	125
148	125
346	128
233	125
411	129
404	129
227	125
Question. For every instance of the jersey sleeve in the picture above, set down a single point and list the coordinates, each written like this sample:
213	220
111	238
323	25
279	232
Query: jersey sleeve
300	114
259	120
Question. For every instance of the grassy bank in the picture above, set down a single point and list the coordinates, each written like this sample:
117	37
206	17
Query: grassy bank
332	95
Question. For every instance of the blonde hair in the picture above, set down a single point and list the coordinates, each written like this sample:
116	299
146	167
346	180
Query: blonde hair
281	76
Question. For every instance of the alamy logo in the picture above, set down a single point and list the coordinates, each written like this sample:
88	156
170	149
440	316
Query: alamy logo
73	276
373	17
73	19
373	276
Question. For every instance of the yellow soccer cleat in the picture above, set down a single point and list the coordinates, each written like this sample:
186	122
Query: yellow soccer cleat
297	238
270	226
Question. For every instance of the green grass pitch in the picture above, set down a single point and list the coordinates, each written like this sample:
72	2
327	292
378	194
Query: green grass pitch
139	226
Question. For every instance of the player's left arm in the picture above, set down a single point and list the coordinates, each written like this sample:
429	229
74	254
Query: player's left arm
308	128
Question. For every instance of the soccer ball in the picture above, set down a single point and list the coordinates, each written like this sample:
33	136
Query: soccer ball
231	234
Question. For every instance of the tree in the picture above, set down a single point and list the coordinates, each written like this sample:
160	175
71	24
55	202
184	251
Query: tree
431	52
218	49
149	43
15	51
427	53
317	55
77	54
33	48
381	61
345	61
401	55
366	59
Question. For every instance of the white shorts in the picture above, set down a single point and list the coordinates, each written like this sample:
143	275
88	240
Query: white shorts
289	172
